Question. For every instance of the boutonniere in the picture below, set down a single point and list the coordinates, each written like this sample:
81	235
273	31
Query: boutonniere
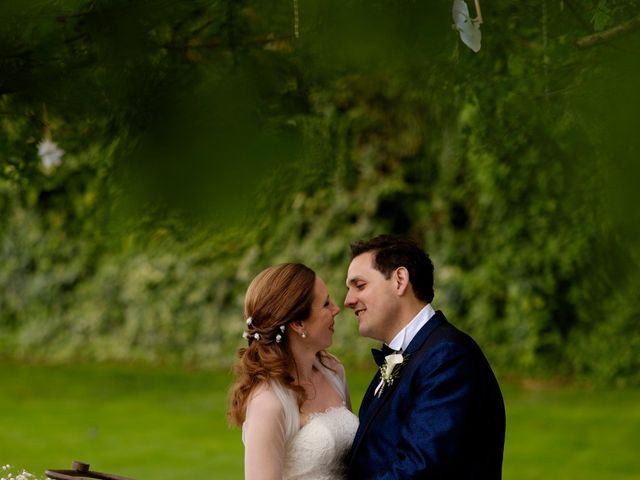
389	371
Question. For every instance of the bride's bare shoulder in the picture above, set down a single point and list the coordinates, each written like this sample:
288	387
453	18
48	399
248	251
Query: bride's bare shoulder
332	362
264	400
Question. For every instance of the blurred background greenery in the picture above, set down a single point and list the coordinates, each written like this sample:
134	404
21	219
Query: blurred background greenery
205	140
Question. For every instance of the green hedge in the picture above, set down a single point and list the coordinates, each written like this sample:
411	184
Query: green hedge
514	168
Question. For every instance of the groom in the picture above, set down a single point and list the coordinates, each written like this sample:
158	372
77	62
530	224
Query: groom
437	412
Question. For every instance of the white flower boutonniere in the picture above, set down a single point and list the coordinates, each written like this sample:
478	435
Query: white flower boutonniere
389	371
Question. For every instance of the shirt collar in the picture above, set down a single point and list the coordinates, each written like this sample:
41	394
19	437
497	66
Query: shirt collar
402	340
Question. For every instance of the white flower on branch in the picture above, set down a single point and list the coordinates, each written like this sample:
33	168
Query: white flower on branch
50	154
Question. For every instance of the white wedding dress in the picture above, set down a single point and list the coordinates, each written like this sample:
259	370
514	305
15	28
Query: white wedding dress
277	447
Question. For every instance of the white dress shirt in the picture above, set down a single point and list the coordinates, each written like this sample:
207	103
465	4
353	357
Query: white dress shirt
402	340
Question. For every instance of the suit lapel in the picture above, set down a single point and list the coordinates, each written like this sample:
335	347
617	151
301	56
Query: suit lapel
368	396
374	404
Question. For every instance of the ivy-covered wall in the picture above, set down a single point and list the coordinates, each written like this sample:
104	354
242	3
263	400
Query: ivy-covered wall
222	143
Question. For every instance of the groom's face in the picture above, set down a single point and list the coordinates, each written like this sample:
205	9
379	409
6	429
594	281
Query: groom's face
371	296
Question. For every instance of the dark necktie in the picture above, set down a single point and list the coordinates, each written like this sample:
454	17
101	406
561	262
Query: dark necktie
378	355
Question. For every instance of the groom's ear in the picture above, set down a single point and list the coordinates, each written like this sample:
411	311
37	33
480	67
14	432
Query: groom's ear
401	280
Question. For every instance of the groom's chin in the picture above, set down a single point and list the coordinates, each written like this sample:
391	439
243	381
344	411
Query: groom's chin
362	330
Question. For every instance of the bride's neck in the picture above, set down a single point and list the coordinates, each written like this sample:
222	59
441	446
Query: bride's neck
304	365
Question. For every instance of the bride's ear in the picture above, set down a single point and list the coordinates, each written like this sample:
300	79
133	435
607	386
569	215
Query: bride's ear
297	327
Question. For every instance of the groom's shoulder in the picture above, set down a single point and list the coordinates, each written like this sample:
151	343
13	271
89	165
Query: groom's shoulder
447	335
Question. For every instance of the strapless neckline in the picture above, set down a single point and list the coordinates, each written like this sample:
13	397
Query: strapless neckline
319	449
328	411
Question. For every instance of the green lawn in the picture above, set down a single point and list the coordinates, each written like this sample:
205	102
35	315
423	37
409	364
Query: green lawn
167	424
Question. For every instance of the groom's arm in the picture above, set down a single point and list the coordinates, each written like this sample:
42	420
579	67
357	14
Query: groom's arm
434	429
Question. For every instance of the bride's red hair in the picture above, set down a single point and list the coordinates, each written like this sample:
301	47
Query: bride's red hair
277	296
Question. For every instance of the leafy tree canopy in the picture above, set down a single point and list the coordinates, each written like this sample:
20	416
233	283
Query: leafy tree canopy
204	139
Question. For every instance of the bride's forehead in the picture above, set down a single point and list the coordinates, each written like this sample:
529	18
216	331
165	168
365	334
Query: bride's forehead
320	288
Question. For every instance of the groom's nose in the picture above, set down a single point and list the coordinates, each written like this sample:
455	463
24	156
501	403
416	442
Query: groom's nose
349	300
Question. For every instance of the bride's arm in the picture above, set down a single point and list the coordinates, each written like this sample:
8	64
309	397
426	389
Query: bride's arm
264	437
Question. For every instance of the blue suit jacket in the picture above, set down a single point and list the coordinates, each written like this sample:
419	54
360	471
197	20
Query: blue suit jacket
442	418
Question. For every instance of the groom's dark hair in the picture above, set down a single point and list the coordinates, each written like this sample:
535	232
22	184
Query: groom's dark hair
391	252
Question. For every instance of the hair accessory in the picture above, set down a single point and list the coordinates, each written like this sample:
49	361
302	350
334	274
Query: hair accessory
271	336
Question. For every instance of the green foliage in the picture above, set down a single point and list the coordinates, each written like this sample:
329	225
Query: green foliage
203	142
606	12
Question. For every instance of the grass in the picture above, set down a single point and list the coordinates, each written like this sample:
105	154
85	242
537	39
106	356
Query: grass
136	422
563	432
159	424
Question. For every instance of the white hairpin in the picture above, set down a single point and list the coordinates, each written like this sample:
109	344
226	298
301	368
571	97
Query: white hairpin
256	336
278	338
249	321
282	328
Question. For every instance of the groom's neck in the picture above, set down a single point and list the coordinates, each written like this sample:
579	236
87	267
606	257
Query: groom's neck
406	313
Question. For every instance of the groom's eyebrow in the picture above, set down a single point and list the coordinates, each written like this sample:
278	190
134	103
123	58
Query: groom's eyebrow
353	280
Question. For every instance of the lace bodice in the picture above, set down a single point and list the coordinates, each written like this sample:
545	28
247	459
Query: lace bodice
277	447
319	448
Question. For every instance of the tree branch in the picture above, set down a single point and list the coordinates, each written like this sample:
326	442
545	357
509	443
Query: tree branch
610	34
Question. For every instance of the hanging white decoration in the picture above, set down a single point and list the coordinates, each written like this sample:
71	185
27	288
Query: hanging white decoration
468	27
50	154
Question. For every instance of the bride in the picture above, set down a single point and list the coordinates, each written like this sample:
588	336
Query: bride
290	395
